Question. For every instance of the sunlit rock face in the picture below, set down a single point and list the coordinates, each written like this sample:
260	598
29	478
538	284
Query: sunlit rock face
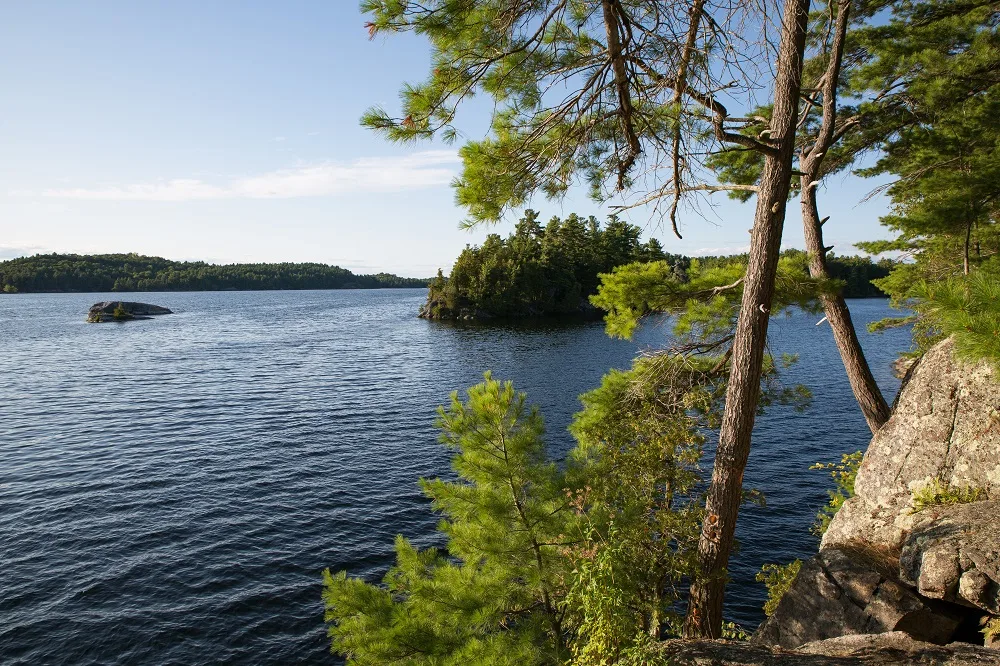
897	560
946	426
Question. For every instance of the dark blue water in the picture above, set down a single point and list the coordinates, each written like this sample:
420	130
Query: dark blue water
171	490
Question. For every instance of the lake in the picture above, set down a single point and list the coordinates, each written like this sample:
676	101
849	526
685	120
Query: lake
171	489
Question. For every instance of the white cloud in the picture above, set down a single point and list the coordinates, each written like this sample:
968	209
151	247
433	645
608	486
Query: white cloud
720	251
371	174
13	252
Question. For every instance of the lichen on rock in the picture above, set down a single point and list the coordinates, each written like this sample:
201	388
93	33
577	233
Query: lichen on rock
946	425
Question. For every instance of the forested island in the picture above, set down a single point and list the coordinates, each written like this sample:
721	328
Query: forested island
133	272
554	269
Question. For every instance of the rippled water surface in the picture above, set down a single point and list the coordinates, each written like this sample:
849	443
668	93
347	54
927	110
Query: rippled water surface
171	489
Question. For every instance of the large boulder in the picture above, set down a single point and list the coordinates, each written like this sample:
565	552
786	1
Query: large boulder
945	426
888	649
953	553
850	591
123	310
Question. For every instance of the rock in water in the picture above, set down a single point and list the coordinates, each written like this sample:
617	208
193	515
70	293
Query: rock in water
945	427
123	311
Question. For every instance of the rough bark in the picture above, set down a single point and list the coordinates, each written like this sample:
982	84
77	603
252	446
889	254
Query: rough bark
866	391
704	617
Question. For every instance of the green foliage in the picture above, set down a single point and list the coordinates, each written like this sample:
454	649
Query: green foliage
537	270
778	578
610	630
937	492
120	313
639	444
544	565
133	272
968	308
519	54
991	629
843	474
940	144
705	301
494	597
734	632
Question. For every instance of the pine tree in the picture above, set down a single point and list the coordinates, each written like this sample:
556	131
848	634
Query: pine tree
642	83
945	155
494	597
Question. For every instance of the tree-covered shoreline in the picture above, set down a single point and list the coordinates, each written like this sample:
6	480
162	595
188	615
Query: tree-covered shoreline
76	273
553	270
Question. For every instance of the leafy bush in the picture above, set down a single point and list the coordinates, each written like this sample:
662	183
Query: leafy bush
778	578
936	492
991	629
844	474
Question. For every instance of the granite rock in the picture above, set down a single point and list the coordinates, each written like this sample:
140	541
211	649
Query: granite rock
945	426
851	591
953	553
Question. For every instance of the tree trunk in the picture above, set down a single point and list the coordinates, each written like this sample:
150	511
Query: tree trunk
968	236
704	616
866	391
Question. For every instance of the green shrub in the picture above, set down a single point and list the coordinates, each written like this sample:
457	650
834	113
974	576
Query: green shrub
844	474
778	578
935	492
991	629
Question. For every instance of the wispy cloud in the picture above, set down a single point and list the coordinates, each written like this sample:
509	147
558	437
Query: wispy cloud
373	174
13	252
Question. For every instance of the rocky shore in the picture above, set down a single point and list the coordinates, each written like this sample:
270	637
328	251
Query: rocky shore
909	570
439	310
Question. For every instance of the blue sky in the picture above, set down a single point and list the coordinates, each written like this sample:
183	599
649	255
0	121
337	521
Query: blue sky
228	131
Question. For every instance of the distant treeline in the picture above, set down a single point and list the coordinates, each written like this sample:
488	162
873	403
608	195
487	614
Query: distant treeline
537	270
854	271
134	272
552	269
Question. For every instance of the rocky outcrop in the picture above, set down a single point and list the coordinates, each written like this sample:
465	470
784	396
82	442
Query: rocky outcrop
953	554
842	592
901	366
123	311
438	309
886	649
913	559
946	426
